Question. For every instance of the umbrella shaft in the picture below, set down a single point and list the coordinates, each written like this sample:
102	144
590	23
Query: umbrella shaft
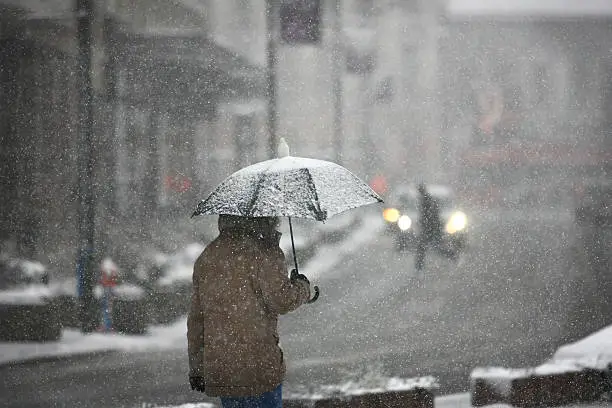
293	245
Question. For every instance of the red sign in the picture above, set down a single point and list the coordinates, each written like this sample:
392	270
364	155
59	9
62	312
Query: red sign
178	183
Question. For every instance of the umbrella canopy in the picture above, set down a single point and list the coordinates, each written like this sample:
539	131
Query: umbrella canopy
289	186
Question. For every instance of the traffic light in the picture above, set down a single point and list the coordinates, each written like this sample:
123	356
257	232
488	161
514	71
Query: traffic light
300	21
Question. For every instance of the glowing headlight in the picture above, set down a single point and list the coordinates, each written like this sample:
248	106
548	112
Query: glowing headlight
457	222
391	215
404	222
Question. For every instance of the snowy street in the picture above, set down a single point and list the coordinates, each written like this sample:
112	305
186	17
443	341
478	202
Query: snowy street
438	171
506	303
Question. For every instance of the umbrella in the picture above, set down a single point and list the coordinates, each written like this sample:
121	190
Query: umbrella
289	186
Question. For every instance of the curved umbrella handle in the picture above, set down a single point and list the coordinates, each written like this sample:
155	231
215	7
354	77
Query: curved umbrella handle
316	295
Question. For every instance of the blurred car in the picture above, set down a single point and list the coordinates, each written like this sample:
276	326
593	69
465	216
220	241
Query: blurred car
402	219
27	309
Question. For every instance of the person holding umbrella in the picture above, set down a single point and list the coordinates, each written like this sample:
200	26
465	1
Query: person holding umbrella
240	283
240	287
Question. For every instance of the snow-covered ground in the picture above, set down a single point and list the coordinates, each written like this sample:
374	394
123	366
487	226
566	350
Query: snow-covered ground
74	342
597	346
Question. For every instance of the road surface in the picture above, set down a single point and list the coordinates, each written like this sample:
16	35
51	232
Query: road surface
510	301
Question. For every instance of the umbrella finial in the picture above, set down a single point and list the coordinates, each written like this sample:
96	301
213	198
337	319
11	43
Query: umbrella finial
283	148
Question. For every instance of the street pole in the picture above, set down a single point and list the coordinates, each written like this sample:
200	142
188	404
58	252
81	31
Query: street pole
272	36
337	69
85	263
428	57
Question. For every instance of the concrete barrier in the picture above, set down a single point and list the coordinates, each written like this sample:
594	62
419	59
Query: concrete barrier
484	393
558	389
546	385
389	393
29	323
416	398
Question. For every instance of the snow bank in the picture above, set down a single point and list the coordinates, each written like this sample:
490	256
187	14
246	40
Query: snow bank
74	342
28	295
32	269
596	348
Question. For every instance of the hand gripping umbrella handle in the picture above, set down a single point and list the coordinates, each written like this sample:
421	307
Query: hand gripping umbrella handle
316	288
316	295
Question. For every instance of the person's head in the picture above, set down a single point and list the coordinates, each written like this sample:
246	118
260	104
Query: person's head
264	226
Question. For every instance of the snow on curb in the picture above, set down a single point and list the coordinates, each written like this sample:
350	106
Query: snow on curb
594	349
76	343
580	372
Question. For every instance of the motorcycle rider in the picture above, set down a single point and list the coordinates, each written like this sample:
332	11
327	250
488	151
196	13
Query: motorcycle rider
430	225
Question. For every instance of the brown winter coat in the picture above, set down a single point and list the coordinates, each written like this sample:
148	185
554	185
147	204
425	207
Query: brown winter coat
240	286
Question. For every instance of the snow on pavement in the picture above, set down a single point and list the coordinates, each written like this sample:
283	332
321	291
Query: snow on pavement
74	342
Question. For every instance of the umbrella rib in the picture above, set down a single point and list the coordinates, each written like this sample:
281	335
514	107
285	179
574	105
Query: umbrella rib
320	215
255	195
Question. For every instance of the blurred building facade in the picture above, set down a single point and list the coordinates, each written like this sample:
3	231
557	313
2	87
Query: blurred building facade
158	77
179	99
180	102
526	98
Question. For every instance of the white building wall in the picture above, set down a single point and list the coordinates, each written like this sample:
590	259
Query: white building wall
305	88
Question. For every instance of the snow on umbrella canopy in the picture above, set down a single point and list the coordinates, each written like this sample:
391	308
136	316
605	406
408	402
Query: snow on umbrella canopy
289	186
